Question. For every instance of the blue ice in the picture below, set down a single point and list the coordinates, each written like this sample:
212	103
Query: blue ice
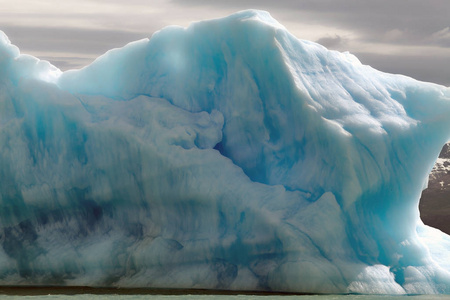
225	155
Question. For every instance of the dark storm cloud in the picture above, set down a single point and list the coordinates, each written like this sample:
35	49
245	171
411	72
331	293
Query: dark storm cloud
335	42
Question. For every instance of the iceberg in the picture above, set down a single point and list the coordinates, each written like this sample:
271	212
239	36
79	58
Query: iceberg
226	155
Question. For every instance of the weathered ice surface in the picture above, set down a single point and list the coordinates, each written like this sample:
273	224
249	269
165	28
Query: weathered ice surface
225	155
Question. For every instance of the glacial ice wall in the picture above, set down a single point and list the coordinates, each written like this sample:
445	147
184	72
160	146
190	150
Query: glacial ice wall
226	155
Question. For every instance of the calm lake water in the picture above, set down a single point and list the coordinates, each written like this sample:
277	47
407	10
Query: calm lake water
224	297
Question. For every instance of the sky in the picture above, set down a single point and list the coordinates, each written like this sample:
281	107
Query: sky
410	37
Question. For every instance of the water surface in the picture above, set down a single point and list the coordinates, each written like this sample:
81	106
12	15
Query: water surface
224	297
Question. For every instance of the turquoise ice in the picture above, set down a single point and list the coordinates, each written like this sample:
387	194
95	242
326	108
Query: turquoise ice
225	155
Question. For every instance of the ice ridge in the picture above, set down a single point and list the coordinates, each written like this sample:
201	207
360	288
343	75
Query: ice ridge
225	155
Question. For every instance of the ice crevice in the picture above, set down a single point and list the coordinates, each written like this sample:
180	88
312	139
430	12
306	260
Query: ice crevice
225	155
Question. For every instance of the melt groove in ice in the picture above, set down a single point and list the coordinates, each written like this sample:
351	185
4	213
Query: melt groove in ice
225	155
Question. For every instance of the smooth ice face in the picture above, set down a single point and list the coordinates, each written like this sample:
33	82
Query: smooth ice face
225	155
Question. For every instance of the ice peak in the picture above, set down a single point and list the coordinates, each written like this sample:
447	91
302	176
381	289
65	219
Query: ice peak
258	15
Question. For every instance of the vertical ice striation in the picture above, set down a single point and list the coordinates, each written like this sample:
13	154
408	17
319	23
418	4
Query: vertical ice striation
225	155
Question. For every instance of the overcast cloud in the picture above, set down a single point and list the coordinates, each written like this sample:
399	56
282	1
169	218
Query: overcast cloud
410	37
